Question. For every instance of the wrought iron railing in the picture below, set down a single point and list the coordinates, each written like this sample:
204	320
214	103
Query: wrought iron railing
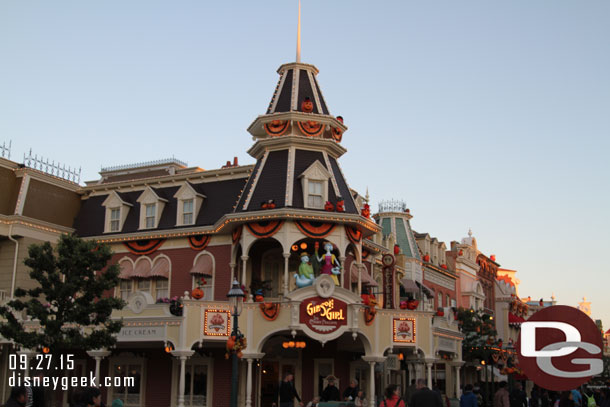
5	152
50	167
392	205
145	164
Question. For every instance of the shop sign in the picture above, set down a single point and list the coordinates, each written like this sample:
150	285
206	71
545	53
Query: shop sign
323	315
388	287
403	330
216	322
446	344
141	333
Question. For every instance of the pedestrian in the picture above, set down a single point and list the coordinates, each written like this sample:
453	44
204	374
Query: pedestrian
518	398
331	392
468	399
360	400
535	398
411	389
351	391
588	398
566	399
545	399
577	397
392	398
287	393
18	397
117	403
314	402
501	398
605	402
92	397
424	397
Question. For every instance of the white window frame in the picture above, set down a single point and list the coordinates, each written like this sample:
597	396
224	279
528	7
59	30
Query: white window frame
150	218
113	202
186	193
190	213
193	361
150	197
115	220
128	361
318	173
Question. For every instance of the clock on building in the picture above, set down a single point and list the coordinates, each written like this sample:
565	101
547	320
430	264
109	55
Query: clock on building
387	260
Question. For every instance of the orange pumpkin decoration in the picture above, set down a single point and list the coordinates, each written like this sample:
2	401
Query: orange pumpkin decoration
329	207
340	205
197	293
230	343
240	354
307	105
426	257
259	298
366	211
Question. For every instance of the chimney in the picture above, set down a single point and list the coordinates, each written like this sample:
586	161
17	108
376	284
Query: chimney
235	164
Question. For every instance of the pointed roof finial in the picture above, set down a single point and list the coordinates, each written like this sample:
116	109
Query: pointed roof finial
469	232
366	197
299	35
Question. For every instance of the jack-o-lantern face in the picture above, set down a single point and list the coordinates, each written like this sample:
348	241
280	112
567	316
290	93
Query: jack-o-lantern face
307	105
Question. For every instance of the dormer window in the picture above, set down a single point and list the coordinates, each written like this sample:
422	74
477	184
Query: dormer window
314	181
189	204
187	212
116	212
314	200
115	219
151	208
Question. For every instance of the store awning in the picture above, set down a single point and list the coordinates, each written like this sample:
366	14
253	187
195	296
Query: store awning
409	285
142	269
126	268
514	320
160	268
427	291
366	279
204	266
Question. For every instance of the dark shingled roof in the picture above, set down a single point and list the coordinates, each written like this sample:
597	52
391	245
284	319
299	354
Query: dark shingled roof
272	182
307	88
350	207
220	198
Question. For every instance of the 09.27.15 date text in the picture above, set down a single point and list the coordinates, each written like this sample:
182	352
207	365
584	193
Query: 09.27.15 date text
41	362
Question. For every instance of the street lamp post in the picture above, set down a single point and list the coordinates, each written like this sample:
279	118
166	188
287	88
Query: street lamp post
236	296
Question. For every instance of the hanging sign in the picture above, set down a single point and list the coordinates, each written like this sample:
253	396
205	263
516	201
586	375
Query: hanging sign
323	315
403	330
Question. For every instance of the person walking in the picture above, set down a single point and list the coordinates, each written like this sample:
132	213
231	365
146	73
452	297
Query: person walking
424	397
566	399
331	392
360	400
392	398
501	398
18	397
287	392
350	393
518	398
468	399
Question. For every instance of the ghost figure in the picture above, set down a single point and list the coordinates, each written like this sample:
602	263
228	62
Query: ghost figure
330	264
305	276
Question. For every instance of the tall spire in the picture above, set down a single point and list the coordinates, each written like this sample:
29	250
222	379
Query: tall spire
299	35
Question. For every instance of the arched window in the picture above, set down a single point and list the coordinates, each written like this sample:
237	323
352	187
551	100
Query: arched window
439	300
144	275
203	272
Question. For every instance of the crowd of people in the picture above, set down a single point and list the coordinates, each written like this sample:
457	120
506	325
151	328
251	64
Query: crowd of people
23	396
517	397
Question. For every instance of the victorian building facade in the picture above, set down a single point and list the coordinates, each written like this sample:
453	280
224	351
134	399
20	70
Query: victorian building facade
325	281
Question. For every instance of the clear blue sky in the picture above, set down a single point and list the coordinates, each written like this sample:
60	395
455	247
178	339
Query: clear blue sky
490	115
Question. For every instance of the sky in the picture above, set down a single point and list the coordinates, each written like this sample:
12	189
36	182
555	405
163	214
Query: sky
486	115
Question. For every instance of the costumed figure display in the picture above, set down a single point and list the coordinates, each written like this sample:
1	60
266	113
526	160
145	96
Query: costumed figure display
305	276
330	264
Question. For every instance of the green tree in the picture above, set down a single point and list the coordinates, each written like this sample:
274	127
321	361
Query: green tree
68	302
479	334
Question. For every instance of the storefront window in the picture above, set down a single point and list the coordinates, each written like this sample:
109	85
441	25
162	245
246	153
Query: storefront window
131	395
125	289
196	385
162	288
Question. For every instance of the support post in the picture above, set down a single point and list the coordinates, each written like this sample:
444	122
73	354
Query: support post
457	381
244	263
286	278
342	269
249	384
372	384
429	375
98	355
182	355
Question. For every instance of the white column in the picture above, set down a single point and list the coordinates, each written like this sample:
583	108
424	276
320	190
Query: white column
286	278
457	381
98	355
182	355
249	384
372	384
342	269
233	276
429	375
244	262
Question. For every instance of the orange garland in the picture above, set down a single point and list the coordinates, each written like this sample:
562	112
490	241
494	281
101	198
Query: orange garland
270	310
311	128
264	229
199	242
276	128
141	247
314	231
